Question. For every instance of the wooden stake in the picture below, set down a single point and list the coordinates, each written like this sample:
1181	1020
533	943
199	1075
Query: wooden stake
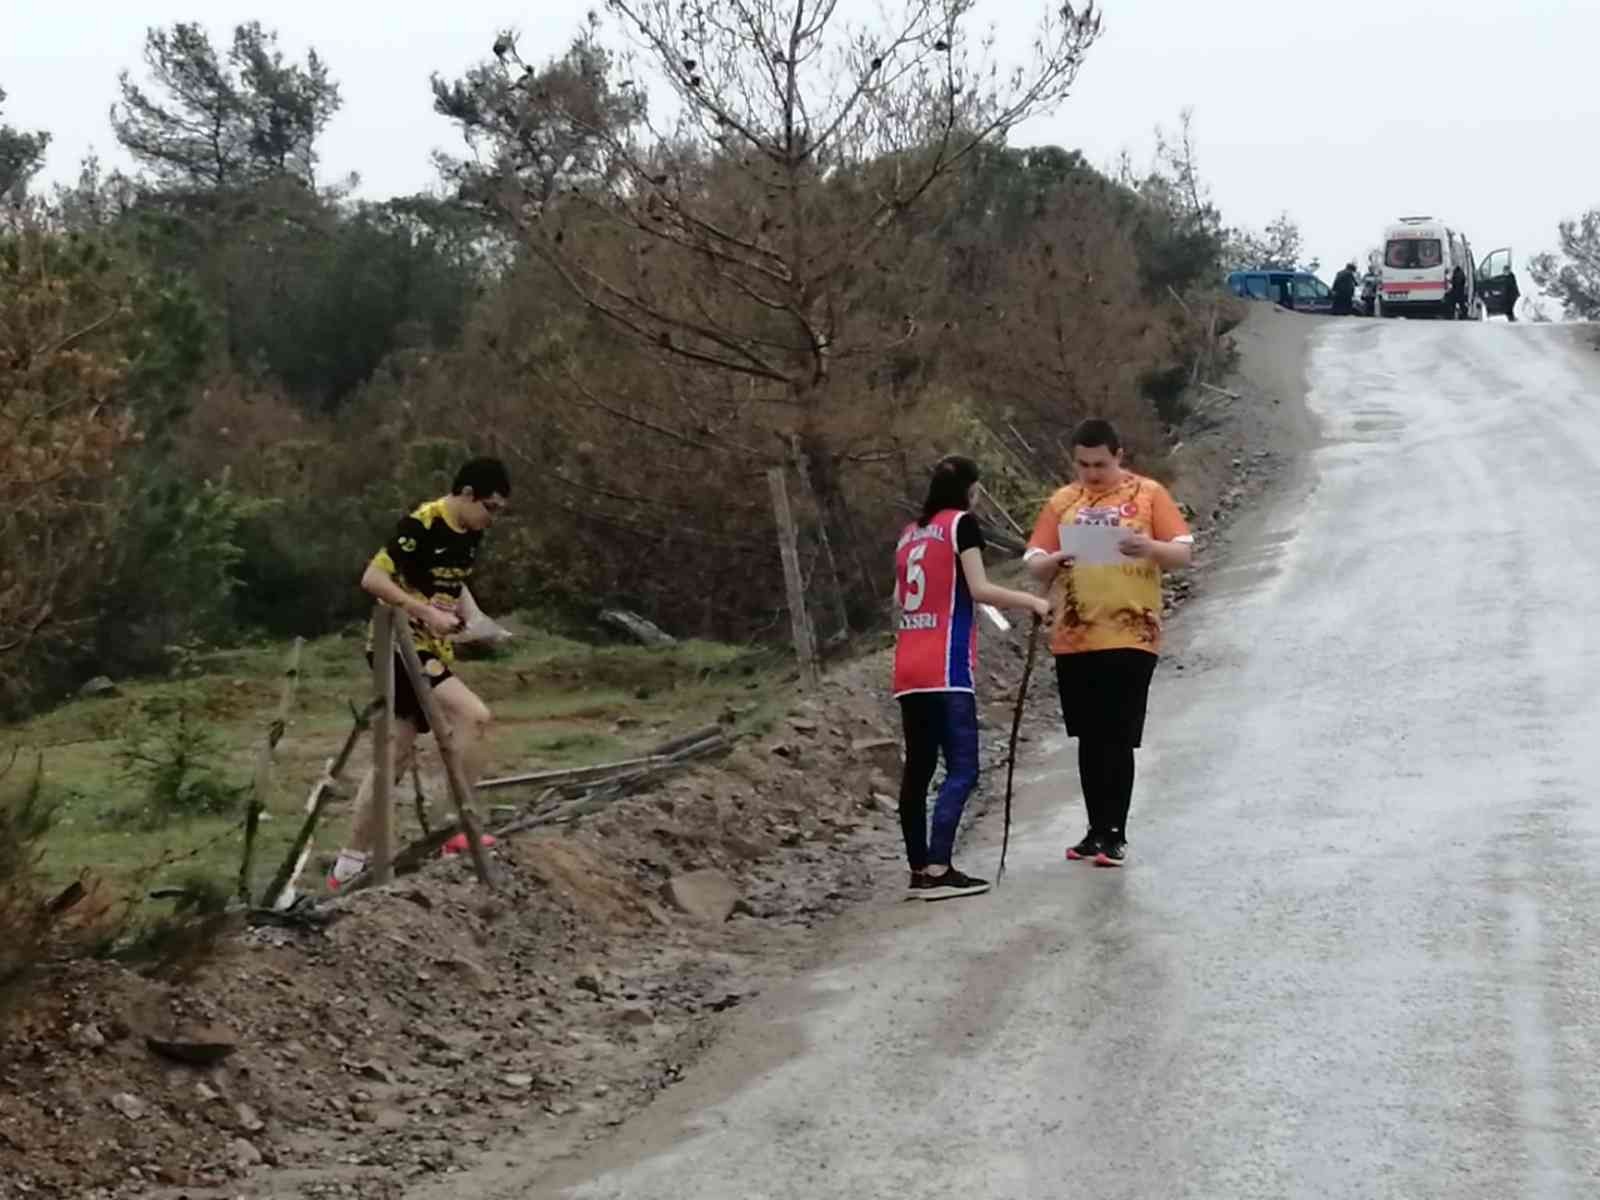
382	798
805	649
261	788
444	736
661	753
324	789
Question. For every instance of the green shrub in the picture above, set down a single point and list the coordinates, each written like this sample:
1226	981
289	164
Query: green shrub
25	919
172	756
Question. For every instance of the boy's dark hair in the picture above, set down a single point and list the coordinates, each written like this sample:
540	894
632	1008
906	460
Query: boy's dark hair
1097	432
485	476
952	478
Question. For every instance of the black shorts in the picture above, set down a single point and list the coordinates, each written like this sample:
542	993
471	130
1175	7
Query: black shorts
406	705
1104	694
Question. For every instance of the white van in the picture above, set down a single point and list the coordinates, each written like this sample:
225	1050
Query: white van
1419	255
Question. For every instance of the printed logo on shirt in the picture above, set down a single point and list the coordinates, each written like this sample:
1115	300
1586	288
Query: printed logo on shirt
921	534
1104	516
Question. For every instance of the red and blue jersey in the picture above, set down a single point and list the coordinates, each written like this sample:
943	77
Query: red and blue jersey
936	640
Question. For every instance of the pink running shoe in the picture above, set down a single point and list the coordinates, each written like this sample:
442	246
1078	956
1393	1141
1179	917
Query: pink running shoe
458	844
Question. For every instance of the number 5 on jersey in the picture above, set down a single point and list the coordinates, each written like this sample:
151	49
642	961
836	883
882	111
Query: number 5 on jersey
915	585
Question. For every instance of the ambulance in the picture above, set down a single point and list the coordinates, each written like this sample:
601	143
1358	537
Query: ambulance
1419	255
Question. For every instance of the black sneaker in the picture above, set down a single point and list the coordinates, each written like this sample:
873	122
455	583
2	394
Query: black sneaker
1113	851
917	886
950	885
1088	848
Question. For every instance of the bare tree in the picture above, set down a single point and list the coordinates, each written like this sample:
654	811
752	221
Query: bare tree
750	238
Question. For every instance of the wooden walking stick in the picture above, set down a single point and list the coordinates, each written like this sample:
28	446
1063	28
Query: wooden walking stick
1016	728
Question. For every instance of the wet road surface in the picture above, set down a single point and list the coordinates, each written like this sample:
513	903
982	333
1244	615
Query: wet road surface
1353	954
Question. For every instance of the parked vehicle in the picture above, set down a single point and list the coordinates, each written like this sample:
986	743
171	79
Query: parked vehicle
1419	256
1492	283
1299	290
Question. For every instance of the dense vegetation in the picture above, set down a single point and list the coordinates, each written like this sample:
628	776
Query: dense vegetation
222	378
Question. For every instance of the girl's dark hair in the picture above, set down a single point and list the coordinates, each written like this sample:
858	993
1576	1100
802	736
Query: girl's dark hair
952	479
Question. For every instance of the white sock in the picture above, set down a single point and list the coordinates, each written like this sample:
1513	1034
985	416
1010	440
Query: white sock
348	865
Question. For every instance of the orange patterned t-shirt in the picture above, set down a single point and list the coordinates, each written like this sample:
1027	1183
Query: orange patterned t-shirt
1108	606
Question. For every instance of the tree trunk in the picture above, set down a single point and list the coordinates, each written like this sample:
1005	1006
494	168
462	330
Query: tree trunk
814	464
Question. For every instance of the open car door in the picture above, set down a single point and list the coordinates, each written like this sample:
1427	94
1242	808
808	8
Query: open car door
1494	281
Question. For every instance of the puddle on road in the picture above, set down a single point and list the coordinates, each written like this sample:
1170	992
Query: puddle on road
1378	425
1248	568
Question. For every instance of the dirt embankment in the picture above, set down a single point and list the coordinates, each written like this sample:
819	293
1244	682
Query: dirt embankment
433	1029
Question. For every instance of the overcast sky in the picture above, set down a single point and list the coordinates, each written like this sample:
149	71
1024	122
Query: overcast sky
1345	115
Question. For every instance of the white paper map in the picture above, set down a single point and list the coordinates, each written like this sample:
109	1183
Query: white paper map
1094	545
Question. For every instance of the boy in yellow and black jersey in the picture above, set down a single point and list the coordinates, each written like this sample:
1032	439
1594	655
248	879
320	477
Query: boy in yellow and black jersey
432	560
423	570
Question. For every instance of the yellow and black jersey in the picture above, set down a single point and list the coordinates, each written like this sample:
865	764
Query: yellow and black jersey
432	559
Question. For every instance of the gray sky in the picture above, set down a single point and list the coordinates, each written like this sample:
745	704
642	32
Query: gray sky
1346	115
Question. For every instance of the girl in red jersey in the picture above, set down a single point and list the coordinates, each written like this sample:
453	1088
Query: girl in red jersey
939	581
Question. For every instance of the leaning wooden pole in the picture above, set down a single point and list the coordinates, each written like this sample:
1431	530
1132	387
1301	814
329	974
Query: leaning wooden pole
325	789
788	548
455	774
1011	753
384	637
261	787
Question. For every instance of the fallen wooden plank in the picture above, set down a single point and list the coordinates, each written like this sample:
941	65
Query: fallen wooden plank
565	774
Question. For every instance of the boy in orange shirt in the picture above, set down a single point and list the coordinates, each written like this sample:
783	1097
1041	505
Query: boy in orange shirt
1107	631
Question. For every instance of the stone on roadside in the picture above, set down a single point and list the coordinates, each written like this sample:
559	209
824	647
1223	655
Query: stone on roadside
244	1153
638	628
707	895
87	1037
199	1046
128	1105
471	974
636	1014
100	686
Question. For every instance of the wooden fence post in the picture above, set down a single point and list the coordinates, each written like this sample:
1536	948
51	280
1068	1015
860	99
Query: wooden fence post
455	773
261	786
804	648
294	862
382	798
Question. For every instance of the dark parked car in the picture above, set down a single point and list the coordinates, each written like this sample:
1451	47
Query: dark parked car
1299	290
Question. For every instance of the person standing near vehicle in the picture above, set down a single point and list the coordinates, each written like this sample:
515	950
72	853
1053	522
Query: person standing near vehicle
1107	629
1458	294
939	581
1513	294
1344	291
423	570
